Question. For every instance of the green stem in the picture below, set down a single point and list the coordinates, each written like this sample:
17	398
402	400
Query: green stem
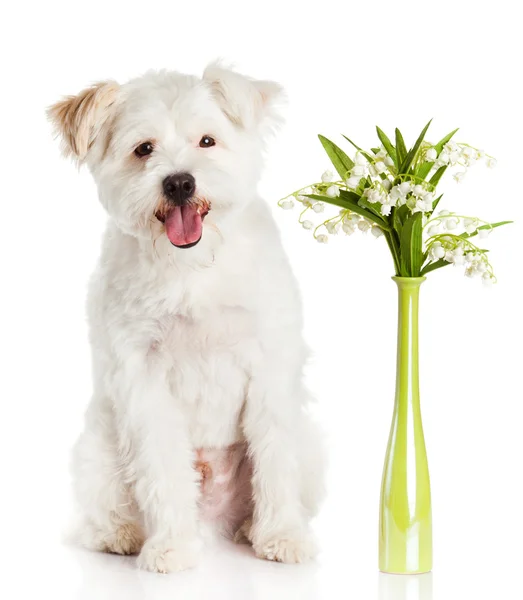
453	216
394	250
460	240
473	148
338	218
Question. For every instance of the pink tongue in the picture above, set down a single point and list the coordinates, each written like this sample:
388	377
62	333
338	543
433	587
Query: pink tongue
183	225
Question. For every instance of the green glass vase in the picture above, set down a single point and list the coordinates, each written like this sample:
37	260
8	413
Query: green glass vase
405	537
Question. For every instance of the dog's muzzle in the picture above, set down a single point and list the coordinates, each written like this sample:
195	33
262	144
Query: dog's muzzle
182	212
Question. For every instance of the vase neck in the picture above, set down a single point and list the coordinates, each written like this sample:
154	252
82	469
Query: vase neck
407	370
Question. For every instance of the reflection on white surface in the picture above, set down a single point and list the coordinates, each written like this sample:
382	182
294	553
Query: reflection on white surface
226	572
405	587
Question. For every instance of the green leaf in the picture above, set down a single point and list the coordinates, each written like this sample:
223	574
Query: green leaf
433	266
399	216
342	163
375	150
480	250
354	200
443	141
349	201
349	196
411	254
365	154
392	243
387	144
494	225
351	142
401	149
434	180
365	182
411	155
436	202
489	226
375	208
425	168
336	201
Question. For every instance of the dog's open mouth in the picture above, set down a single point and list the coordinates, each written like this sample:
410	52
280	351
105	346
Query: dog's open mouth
183	224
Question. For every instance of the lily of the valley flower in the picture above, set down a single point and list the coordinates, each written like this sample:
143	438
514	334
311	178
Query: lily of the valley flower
431	155
418	191
470	225
358	171
332	227
352	182
388	161
469	154
380	167
405	187
438	250
359	159
333	191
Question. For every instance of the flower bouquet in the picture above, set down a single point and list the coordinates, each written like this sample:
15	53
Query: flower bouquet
391	192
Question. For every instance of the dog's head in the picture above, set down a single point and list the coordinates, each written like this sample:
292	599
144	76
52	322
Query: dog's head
166	149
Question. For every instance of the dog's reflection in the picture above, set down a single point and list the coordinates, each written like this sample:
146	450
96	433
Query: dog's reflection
227	572
405	587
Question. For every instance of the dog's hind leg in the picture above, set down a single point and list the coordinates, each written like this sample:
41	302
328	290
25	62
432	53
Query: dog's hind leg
108	519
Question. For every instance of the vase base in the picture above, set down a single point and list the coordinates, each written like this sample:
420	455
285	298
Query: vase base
405	572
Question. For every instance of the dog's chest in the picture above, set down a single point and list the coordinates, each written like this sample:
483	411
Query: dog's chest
209	360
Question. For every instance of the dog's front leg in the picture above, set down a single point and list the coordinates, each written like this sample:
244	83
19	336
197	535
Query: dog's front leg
272	418
166	487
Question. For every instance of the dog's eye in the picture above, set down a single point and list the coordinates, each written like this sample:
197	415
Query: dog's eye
207	141
144	149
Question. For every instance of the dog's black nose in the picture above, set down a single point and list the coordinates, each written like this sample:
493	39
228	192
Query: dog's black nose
178	188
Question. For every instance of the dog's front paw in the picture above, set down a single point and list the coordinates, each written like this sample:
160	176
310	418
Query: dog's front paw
126	539
289	549
169	556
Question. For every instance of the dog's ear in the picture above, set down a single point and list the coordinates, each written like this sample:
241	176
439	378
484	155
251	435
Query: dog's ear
247	102
79	119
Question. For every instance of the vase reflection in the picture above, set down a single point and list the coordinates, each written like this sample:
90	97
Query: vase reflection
405	587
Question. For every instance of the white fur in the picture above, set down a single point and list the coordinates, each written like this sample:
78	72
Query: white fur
192	348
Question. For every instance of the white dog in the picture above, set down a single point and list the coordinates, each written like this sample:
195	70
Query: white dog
199	411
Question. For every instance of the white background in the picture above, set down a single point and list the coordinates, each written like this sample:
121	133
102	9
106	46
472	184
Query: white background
346	67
